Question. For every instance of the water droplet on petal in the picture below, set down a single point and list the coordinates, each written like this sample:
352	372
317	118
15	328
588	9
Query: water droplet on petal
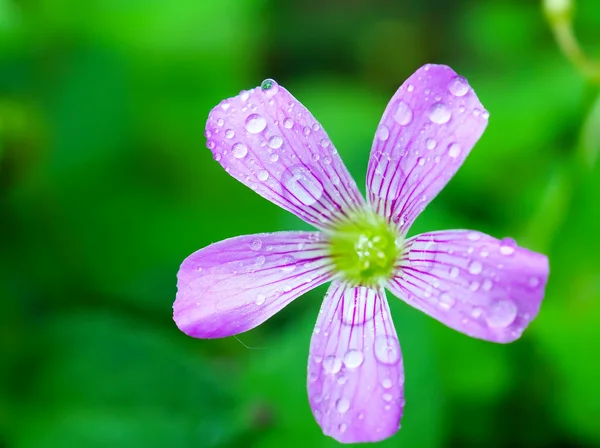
403	114
324	143
475	267
501	314
454	271
507	246
473	236
387	397
342	405
383	133
288	123
386	383
430	143
288	264
353	359
302	185
275	142
439	113
387	350
410	88
446	302
229	133
220	122
255	123
262	175
260	299
343	427
458	86
273	158
239	150
454	150
487	284
476	312
269	87
255	244
533	282
332	364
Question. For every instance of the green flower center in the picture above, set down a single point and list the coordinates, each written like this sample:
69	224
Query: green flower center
365	248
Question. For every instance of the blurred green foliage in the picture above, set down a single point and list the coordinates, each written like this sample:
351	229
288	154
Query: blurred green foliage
106	186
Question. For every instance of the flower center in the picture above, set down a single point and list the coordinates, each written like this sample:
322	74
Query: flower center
365	248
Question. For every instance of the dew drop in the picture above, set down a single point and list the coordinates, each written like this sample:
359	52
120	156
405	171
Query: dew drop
487	284
220	122
473	236
454	150
210	144
288	264
475	267
262	175
410	88
288	123
269	87
302	185
430	143
476	312
260	299
255	123
343	427
342	405
255	244
454	271
273	158
458	86
403	114
387	397
332	364
353	359
387	350
386	383
239	150
260	260
229	133
275	142
446	302
507	246
533	282
383	133
501	314
324	143
439	113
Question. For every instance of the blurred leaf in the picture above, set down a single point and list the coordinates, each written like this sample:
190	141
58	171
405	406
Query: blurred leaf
104	379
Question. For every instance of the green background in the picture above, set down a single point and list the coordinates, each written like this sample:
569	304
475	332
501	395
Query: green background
106	186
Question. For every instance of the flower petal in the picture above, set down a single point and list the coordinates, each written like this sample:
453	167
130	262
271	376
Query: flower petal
469	281
236	284
425	134
269	141
355	371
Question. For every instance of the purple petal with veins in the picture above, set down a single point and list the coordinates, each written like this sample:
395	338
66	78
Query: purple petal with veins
269	141
355	370
486	288
425	134
236	284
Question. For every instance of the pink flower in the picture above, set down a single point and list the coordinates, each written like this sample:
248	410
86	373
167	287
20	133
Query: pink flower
486	288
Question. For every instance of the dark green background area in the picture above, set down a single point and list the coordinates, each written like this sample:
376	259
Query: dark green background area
106	186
